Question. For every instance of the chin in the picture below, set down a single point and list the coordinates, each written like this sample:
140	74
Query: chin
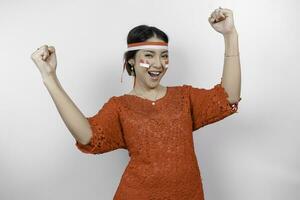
152	84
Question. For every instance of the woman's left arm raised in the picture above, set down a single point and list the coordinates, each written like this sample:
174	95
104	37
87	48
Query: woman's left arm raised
222	21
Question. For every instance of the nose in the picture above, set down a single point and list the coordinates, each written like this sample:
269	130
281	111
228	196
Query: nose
157	62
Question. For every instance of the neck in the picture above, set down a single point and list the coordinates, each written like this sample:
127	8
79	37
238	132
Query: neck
143	89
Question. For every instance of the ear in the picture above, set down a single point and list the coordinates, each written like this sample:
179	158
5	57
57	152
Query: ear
131	61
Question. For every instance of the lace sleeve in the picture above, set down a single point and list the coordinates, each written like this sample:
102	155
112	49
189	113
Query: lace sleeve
209	105
106	130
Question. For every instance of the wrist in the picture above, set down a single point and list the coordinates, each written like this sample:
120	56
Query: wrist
232	34
50	79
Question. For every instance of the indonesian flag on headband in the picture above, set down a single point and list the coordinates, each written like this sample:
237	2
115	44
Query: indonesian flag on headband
147	45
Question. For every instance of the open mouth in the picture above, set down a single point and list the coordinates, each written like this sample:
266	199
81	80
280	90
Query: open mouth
154	74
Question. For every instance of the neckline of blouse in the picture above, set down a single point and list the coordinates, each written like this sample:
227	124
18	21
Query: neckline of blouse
148	100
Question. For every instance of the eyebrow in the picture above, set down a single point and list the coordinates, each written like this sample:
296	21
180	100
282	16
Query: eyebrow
154	51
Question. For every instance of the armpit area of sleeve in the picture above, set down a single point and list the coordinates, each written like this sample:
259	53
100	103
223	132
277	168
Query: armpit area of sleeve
221	97
91	146
218	107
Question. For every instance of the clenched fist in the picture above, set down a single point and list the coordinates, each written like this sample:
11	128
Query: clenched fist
45	59
221	20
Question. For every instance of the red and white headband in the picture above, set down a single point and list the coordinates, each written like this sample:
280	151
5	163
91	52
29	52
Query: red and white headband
147	45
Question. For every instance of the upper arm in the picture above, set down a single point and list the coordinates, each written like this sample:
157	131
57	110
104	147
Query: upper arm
209	105
106	128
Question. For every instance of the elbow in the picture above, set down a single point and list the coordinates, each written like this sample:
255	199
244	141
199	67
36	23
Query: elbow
85	140
234	100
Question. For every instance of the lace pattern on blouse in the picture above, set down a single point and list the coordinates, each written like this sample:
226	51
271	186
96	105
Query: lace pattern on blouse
107	132
209	105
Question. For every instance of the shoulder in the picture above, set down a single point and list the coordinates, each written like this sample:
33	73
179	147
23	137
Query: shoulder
180	87
183	88
111	102
181	91
191	90
119	101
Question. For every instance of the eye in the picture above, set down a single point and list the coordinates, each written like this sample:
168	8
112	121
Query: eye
166	56
148	55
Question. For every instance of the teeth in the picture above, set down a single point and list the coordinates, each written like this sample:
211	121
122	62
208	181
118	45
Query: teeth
153	74
156	73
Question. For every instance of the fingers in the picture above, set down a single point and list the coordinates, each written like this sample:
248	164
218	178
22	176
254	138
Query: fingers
52	57
51	49
211	19
225	12
222	15
40	53
219	14
43	52
213	16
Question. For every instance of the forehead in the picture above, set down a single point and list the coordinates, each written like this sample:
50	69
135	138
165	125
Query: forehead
154	51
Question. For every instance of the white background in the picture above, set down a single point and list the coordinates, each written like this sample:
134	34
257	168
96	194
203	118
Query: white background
252	155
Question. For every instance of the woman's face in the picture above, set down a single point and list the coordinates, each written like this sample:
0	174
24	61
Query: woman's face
156	59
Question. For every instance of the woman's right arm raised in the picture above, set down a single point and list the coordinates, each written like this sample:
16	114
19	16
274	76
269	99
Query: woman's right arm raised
45	59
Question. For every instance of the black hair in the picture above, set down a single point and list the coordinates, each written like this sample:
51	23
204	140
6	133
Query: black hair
141	33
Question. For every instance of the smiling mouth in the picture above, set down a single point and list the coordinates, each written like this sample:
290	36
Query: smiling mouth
154	74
